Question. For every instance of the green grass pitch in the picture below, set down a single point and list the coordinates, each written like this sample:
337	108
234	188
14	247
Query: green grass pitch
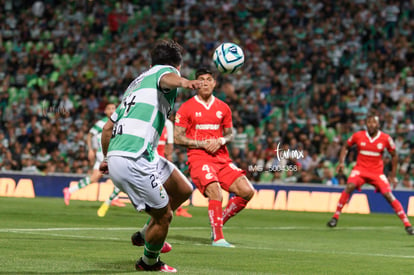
43	236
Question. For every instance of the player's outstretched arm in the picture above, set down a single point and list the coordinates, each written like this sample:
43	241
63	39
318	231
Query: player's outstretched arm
392	177
172	81
342	155
181	139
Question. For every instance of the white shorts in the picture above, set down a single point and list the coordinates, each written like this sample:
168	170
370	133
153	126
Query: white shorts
98	160
142	180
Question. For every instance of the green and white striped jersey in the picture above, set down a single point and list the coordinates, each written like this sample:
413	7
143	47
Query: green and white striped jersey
96	131
140	118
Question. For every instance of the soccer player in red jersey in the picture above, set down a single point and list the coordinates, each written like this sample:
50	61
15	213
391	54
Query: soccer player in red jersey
203	124
369	168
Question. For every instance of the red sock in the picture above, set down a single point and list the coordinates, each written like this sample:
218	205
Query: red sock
341	203
400	212
216	219
234	206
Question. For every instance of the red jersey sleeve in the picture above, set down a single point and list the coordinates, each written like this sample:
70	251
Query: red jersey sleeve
227	119
181	117
390	144
352	139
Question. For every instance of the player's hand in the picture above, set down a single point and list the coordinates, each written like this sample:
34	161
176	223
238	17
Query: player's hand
192	84
393	181
340	167
104	167
213	145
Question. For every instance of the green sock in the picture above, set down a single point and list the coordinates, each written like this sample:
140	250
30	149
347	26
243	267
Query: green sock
82	183
144	228
151	253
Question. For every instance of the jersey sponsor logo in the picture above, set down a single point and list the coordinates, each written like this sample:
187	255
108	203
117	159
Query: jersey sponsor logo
380	146
219	114
207	126
370	153
198	114
177	118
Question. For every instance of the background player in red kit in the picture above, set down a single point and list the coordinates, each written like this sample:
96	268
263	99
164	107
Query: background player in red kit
165	149
204	125
369	168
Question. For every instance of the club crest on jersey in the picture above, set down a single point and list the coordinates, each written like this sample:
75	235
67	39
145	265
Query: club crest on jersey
380	146
198	114
363	143
177	118
219	114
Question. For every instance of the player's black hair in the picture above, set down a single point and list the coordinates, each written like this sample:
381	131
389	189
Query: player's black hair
202	71
167	52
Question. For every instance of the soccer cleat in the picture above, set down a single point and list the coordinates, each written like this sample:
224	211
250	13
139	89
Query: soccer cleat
222	243
118	203
409	230
102	210
159	266
332	222
138	240
66	195
183	213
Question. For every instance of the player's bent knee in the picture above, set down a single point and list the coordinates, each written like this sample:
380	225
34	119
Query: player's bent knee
350	187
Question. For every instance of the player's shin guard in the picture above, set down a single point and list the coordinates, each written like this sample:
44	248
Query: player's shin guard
235	205
399	210
216	219
341	203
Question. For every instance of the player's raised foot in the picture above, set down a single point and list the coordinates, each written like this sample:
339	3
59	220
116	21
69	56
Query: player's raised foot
102	210
332	222
409	230
138	240
118	202
183	213
66	195
222	243
159	266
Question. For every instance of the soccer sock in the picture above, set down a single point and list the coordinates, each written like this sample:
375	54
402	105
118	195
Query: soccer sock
112	196
82	183
234	206
151	253
215	213
399	210
144	228
341	203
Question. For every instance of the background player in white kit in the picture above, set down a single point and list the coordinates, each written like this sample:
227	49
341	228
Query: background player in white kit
93	142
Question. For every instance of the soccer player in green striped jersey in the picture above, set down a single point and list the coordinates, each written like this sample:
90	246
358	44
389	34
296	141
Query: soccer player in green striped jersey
95	155
130	139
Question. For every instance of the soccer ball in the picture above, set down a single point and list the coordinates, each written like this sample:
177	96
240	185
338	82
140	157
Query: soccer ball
228	58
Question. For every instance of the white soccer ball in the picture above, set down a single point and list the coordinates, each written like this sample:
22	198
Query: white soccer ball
228	57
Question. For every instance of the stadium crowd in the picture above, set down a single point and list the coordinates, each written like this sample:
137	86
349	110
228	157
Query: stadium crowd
314	70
